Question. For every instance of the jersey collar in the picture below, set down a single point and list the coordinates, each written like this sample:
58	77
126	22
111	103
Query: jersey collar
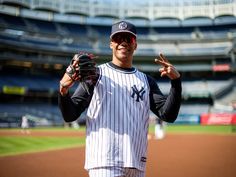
129	70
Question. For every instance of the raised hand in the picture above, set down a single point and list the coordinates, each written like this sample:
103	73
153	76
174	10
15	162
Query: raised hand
82	68
167	68
70	75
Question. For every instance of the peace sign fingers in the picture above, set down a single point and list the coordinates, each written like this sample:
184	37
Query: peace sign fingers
162	60
167	68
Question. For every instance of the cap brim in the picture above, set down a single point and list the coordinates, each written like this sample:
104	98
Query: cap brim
122	31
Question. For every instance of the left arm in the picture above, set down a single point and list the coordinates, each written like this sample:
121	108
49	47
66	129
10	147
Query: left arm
167	108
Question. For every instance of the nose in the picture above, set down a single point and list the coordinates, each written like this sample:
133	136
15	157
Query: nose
124	44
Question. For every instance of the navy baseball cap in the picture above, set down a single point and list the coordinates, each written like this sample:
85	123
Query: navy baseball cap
123	27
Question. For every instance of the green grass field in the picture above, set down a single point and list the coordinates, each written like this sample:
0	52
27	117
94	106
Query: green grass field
218	129
12	145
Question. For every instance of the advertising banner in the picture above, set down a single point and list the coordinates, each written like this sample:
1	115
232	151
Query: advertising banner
188	119
218	119
16	90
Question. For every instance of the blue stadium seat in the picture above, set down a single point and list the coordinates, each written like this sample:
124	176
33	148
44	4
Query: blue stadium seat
42	26
14	22
74	29
11	113
102	30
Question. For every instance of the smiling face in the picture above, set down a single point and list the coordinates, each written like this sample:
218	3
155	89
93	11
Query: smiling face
123	46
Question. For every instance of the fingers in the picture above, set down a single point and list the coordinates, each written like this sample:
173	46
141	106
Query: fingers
167	68
75	64
76	77
73	69
75	60
164	71
162	60
164	63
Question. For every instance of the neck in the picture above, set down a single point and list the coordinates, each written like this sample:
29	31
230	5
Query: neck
123	63
120	68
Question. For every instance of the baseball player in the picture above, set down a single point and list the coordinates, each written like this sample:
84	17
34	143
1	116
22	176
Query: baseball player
25	125
118	99
159	129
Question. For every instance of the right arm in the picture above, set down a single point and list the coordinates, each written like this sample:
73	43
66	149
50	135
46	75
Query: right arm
72	106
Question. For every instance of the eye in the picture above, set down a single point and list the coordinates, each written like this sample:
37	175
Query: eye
119	38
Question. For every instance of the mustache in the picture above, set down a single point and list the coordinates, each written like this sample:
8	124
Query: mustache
126	48
123	46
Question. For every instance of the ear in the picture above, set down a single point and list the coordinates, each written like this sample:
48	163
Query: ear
136	45
111	45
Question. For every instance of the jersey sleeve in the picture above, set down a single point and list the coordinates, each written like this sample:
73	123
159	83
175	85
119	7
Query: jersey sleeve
165	107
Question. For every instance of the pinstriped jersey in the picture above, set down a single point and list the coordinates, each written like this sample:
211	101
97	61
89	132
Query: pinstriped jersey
117	119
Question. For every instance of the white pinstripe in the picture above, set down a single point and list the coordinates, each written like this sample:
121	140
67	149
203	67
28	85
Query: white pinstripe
117	123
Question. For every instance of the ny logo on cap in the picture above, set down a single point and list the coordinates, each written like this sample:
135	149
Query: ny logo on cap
123	25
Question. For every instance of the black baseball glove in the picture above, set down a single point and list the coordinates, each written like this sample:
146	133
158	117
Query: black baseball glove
83	68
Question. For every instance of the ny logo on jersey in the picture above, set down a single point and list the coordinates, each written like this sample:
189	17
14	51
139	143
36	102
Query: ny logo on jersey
139	93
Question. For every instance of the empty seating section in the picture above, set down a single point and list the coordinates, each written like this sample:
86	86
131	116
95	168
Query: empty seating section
10	114
143	32
30	82
69	36
146	51
198	88
207	50
74	29
194	109
103	31
13	22
38	41
175	33
217	32
42	26
169	49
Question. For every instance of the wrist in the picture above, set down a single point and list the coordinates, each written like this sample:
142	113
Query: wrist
63	85
63	89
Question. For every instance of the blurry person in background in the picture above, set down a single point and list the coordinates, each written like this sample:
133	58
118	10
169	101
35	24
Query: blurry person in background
25	125
160	129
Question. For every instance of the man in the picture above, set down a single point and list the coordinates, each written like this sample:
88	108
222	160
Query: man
25	125
160	129
118	103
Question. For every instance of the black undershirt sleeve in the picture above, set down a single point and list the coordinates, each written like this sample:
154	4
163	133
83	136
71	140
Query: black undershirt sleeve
72	106
165	107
